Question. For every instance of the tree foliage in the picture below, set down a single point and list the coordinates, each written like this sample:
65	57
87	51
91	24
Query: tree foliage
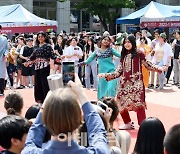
106	10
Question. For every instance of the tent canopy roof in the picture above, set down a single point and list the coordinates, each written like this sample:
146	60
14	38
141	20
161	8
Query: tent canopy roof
152	11
17	14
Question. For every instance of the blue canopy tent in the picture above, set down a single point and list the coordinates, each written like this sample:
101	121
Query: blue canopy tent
152	12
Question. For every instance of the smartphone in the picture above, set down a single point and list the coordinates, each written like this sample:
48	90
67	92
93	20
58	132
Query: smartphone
102	105
68	72
76	48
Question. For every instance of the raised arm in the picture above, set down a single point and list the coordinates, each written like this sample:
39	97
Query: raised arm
35	137
96	130
91	58
149	65
116	53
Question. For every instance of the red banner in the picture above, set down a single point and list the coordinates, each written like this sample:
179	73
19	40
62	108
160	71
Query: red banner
161	24
28	29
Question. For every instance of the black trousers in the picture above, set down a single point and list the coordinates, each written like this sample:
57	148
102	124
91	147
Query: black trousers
2	85
41	86
170	68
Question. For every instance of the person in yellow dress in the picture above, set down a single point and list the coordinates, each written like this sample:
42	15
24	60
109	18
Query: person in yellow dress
145	48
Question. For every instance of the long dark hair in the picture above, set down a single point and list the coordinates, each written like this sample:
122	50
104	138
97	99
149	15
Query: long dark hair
124	52
150	137
88	46
45	36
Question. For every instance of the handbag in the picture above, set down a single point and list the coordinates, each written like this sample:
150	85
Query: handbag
19	60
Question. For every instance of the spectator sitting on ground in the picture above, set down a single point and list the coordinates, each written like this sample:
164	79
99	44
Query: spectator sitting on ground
62	116
13	103
119	141
31	114
13	131
150	137
172	140
122	137
105	116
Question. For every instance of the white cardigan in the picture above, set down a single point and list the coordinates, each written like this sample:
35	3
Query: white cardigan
167	54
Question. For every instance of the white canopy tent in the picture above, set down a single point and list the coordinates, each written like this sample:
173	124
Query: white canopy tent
17	19
17	15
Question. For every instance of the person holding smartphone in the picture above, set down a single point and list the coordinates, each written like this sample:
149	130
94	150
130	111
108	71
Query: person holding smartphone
73	52
62	114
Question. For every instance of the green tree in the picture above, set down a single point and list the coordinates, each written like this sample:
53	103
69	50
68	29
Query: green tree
107	10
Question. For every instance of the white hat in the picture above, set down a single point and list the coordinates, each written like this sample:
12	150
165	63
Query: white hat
106	33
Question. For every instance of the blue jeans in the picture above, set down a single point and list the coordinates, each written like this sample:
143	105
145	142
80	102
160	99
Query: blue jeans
161	75
91	66
176	66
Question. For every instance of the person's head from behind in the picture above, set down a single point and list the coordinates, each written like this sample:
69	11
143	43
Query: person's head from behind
32	112
150	137
13	103
13	132
62	113
111	103
172	140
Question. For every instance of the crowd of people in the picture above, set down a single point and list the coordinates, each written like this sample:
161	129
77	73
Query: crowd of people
120	68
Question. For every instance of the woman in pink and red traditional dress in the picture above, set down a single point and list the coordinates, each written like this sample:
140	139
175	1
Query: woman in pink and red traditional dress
131	92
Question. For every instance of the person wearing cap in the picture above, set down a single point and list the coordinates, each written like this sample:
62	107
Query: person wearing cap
162	57
118	47
106	33
25	52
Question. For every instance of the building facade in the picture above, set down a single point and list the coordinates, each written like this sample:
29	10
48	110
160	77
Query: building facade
28	4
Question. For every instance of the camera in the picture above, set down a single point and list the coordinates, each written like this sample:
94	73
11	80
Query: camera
76	48
68	72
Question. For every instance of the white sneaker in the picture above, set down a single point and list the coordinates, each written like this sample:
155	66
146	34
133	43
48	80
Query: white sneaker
127	126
